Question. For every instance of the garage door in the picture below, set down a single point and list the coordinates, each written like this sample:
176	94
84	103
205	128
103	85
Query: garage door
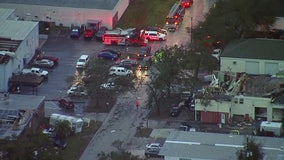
252	67
271	68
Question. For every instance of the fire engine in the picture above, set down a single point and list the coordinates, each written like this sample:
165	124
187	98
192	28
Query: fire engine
91	28
186	3
129	37
175	17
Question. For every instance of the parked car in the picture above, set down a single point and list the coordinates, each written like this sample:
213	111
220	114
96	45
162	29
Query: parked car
119	71
75	33
77	91
83	61
67	104
154	146
156	28
44	63
154	36
112	51
151	153
107	55
127	61
60	143
49	57
175	110
145	51
100	33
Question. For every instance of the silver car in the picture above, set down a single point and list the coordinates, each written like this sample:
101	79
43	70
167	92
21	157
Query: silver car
44	63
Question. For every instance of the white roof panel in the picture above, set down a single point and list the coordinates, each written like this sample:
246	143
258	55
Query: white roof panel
5	13
16	30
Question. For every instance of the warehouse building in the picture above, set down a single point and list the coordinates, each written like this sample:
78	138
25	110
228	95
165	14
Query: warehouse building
18	42
68	13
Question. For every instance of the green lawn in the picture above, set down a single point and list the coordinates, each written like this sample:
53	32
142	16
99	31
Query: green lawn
146	13
79	141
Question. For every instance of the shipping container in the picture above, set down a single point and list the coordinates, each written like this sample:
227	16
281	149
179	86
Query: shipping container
214	117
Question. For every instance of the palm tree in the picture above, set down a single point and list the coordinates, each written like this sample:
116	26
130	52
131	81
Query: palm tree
63	129
251	151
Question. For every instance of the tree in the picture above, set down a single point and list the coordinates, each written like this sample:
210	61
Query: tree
174	66
231	19
30	146
98	74
251	150
63	129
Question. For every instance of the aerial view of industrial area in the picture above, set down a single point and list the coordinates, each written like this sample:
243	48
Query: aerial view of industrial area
142	80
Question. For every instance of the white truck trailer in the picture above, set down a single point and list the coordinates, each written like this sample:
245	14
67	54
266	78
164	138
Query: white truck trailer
274	127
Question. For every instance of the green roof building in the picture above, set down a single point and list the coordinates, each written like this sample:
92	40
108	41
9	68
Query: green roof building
254	56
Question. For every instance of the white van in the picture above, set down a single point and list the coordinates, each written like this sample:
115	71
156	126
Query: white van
119	71
154	36
82	62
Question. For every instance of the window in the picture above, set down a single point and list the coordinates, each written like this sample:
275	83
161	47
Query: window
236	100
241	101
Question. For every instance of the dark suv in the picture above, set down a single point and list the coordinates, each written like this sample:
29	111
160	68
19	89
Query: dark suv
145	51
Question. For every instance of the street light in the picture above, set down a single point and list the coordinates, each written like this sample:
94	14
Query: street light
190	30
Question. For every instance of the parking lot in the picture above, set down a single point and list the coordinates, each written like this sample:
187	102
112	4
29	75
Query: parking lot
69	50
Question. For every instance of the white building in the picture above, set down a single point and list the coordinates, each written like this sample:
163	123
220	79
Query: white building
18	42
254	56
71	12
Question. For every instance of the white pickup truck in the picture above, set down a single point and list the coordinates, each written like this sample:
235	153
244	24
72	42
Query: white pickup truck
35	71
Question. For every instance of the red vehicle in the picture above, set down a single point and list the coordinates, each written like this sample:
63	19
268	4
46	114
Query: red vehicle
186	3
89	33
175	17
67	104
91	29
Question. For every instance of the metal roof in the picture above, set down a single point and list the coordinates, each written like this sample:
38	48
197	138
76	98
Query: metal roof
92	4
17	101
214	146
16	111
16	30
5	13
260	48
12	32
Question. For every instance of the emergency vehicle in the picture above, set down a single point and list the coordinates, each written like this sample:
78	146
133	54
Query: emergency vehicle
175	17
124	37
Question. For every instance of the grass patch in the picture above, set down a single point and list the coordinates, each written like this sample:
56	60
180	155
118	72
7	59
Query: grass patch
79	141
146	13
143	132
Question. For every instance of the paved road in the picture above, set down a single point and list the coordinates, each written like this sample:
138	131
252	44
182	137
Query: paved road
121	123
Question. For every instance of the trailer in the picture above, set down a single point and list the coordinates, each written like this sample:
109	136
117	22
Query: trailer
275	128
76	123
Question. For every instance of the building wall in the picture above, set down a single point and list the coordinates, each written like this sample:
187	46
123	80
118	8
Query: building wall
242	105
67	16
24	52
27	48
279	23
240	65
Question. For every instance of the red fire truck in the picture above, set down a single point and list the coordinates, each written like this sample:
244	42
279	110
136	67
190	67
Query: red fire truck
175	17
91	28
129	37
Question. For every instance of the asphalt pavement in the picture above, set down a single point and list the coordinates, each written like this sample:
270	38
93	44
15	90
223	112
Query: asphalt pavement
120	124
